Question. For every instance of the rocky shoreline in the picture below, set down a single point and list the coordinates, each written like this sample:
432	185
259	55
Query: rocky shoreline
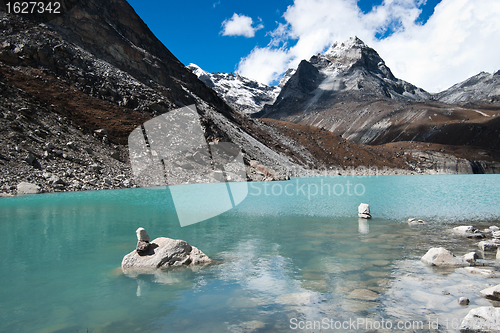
476	262
55	170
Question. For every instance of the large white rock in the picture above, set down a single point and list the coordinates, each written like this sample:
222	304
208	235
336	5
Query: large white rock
142	235
364	211
492	293
439	256
164	253
27	188
482	319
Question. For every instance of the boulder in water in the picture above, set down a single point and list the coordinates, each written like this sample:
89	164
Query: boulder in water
163	253
489	245
463	301
439	256
482	319
471	257
468	231
492	293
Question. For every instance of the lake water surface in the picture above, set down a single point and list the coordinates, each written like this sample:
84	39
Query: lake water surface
289	257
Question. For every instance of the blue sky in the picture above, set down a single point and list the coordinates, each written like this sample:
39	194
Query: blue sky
261	39
191	29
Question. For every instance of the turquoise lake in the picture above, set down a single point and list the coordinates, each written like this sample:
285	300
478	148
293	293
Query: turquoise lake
287	258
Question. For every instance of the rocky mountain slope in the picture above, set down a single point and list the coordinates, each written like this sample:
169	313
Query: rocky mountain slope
483	87
97	68
241	93
350	91
74	87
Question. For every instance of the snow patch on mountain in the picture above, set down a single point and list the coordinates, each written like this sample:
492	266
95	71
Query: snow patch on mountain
288	74
241	93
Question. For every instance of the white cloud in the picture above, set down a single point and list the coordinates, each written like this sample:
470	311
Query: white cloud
240	25
459	40
265	64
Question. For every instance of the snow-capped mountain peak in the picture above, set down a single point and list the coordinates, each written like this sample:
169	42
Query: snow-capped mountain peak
347	71
341	57
345	54
241	93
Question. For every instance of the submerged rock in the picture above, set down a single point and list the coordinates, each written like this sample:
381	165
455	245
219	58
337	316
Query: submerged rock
481	271
439	256
364	211
482	319
363	294
163	253
303	298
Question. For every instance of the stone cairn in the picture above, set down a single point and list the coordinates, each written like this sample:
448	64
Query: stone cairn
364	211
142	241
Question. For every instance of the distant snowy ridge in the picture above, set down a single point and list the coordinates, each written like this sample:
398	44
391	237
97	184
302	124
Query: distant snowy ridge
241	93
483	87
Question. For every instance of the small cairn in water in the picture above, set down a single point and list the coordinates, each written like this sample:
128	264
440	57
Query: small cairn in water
142	241
364	211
